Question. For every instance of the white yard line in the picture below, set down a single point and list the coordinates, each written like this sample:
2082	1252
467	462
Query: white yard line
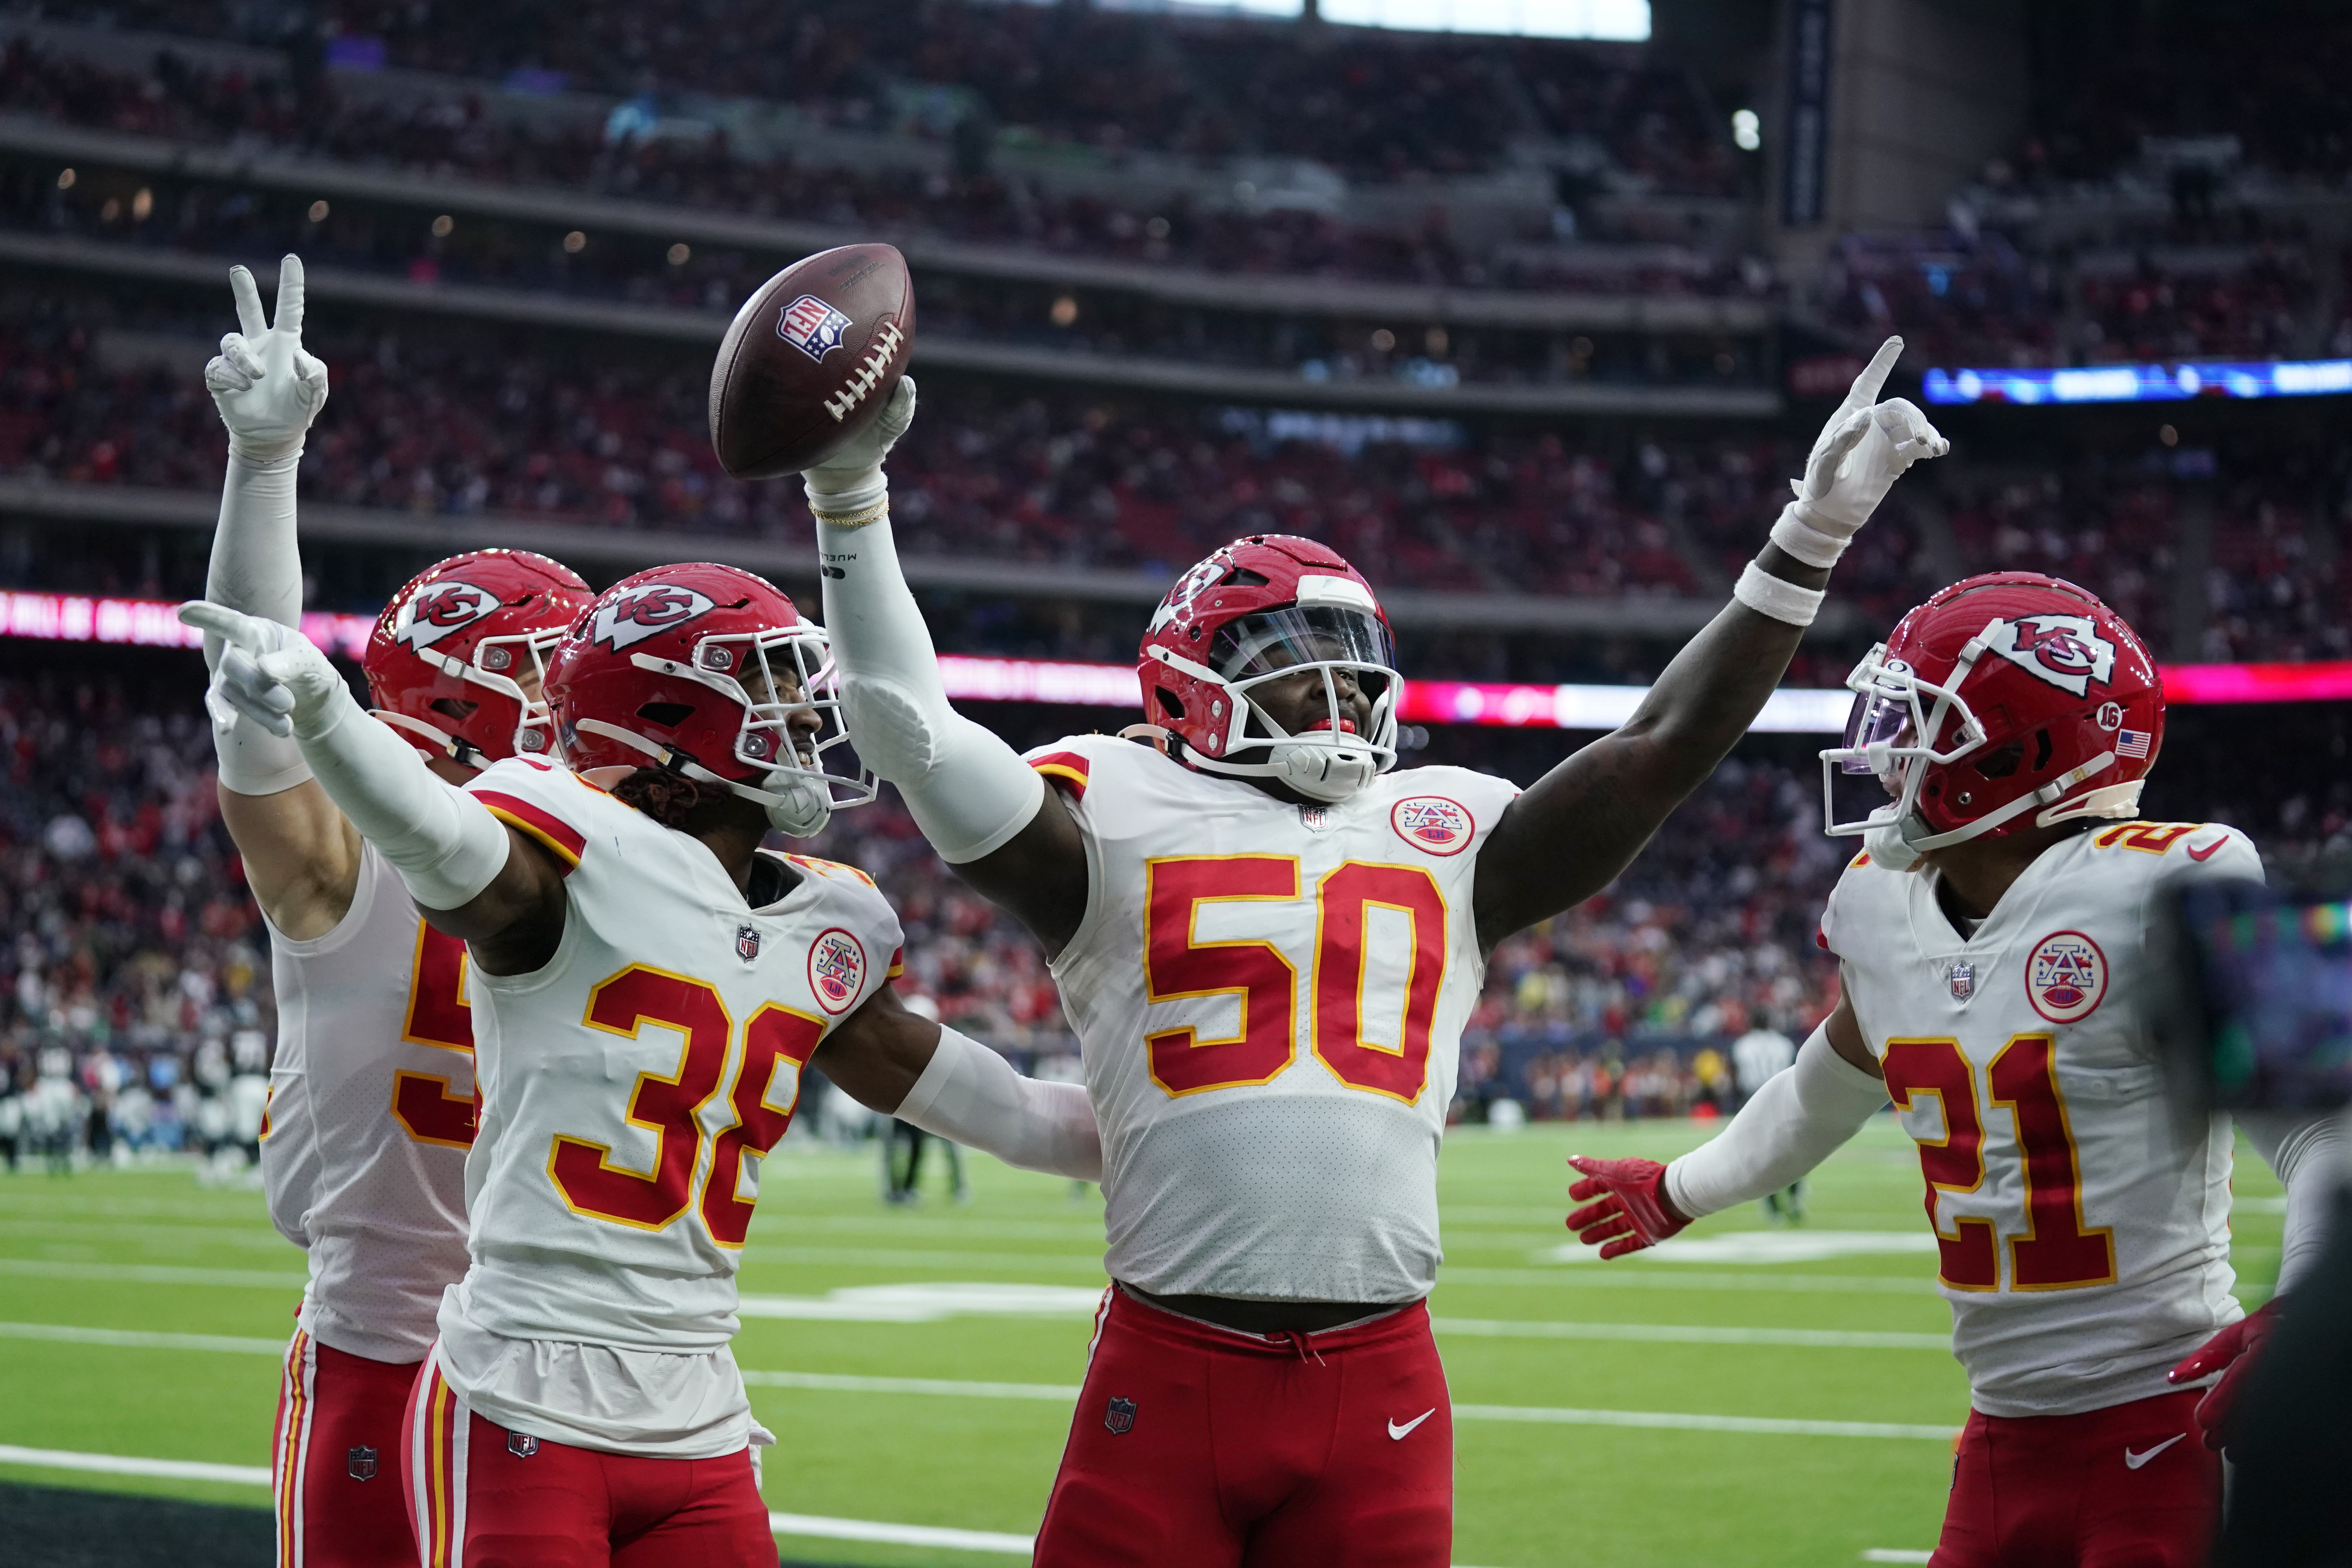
804	1524
1672	1333
114	1465
149	1274
131	1338
1896	1554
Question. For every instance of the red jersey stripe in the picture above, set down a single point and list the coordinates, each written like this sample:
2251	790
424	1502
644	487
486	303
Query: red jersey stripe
1066	765
540	824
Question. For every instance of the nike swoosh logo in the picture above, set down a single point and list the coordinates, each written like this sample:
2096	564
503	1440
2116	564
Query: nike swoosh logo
1398	1434
2209	851
2133	1461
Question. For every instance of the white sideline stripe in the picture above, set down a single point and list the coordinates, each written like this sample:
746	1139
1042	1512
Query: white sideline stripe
151	1274
1643	1279
1068	1392
1896	1554
131	1338
111	1465
1671	1333
900	1534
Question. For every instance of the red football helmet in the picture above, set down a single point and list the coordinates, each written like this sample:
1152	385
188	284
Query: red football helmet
2005	702
674	667
1265	608
442	661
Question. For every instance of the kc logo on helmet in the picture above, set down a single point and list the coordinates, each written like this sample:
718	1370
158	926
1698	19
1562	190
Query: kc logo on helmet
812	326
2067	651
1433	824
1177	604
2066	978
635	614
837	969
437	610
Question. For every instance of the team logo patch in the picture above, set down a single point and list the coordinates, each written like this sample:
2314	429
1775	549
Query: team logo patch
635	614
2067	651
812	326
2066	978
1177	604
1963	978
1433	824
1119	1419
747	942
359	1464
837	969
521	1445
437	610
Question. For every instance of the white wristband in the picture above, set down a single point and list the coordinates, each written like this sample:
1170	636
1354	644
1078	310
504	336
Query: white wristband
1769	595
1794	533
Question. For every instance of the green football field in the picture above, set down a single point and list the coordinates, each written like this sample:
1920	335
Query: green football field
1772	1397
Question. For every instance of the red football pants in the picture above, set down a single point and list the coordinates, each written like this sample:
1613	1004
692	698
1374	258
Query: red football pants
334	1470
1196	1446
2131	1485
483	1497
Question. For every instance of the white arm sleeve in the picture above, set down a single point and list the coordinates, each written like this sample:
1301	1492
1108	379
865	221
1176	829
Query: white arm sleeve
970	1095
1795	1122
446	844
2306	1154
968	791
256	568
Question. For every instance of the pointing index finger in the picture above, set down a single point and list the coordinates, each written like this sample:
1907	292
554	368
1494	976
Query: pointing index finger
1873	379
289	294
229	625
249	319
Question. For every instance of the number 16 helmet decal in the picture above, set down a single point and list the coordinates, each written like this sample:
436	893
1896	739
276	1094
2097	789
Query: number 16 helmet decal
2005	702
1268	608
710	672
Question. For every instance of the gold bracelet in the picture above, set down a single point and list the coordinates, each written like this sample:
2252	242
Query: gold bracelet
875	514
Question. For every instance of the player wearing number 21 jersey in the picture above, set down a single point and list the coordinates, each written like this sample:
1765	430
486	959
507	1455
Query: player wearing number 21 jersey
1268	939
2001	989
647	985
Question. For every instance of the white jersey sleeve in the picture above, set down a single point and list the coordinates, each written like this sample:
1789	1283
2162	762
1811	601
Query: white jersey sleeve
1269	999
369	1118
631	1087
2083	1226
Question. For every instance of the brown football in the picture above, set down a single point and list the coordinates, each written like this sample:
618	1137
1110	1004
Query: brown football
810	360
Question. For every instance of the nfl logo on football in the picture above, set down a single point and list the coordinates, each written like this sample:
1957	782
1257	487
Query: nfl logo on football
837	969
812	326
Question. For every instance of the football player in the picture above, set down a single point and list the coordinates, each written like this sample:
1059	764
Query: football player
371	1105
1998	987
1268	943
646	984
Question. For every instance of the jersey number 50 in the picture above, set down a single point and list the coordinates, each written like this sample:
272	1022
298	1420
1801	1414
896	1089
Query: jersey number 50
1177	964
583	1171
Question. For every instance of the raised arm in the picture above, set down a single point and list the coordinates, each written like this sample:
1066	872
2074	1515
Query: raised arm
1570	833
470	874
892	1060
984	810
302	858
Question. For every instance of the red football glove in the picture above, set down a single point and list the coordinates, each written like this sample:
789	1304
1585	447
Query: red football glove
1633	1211
2231	1353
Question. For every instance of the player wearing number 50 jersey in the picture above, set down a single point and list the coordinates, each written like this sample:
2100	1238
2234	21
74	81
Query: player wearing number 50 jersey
647	984
2000	988
372	1091
1269	943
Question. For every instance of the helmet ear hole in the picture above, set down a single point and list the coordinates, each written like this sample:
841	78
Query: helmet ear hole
456	710
2041	749
1169	704
2001	763
668	715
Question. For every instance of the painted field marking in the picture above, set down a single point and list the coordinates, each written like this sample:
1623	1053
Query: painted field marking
149	1273
1620	1277
133	1339
1764	1246
113	1465
1896	1554
1671	1333
845	1383
928	1303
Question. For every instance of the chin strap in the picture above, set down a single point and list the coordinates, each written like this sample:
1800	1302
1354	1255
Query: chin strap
1891	843
797	807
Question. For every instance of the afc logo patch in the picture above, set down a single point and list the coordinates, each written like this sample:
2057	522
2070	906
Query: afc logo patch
1431	824
747	943
2066	978
359	1464
837	969
637	614
1119	1419
437	609
812	326
2067	651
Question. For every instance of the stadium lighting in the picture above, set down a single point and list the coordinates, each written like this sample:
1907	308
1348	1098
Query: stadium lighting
1747	129
2143	382
1616	21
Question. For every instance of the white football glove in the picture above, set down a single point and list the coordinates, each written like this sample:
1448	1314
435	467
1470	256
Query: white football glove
1861	452
266	388
271	674
849	484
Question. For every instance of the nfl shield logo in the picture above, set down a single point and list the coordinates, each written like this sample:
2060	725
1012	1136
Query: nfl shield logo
1964	981
812	326
521	1445
747	942
360	1464
1120	1416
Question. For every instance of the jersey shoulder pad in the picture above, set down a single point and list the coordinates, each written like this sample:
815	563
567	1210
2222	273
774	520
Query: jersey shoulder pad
1859	889
1485	794
850	901
552	805
2168	850
837	870
1076	763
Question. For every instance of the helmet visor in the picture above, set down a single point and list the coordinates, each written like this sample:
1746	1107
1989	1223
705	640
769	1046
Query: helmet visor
1273	641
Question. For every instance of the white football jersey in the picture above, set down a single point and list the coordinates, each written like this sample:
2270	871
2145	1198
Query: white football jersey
1269	1000
2084	1228
371	1112
630	1088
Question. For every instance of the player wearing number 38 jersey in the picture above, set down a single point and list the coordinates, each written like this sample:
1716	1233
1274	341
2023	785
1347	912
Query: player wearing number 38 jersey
1269	940
2001	990
647	984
